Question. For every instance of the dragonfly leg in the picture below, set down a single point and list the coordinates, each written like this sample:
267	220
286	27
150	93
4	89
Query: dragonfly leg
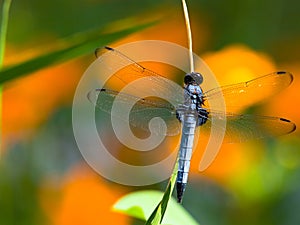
202	116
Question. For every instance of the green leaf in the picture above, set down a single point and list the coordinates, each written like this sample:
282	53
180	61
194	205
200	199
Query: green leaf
79	45
141	203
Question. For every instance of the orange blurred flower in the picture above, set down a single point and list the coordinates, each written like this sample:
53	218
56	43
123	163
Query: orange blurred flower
30	100
84	199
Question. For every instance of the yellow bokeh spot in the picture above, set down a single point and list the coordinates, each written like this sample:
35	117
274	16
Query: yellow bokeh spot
238	63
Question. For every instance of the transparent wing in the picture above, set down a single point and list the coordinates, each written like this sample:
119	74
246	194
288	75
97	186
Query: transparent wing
142	110
156	84
241	95
240	128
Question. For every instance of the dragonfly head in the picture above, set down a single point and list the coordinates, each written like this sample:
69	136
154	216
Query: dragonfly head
193	78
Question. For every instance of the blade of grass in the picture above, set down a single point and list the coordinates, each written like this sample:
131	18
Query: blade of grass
81	44
158	214
3	31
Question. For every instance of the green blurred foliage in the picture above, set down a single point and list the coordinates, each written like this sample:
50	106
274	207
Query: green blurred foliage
79	44
269	26
33	18
28	164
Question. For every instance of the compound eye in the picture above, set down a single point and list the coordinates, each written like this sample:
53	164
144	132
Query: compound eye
188	79
198	78
193	77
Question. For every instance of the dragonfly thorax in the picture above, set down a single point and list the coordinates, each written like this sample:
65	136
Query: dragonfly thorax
193	101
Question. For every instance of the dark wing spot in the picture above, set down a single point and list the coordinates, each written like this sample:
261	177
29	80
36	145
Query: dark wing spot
99	51
288	121
109	48
285	120
281	72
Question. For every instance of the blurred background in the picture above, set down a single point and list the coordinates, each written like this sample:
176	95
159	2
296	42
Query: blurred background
43	177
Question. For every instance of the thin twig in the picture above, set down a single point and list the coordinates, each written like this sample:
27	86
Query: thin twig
189	34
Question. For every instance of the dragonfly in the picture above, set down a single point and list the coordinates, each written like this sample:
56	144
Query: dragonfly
190	108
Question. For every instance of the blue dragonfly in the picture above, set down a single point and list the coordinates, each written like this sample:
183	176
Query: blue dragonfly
191	109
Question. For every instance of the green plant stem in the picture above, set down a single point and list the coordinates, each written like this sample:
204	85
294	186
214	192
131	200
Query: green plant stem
3	31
